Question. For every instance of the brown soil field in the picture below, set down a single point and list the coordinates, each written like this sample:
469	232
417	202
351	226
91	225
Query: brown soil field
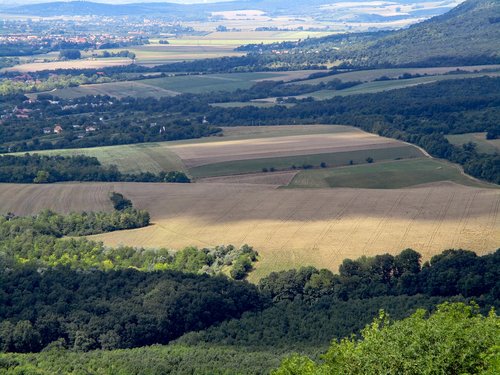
274	179
289	228
73	64
194	155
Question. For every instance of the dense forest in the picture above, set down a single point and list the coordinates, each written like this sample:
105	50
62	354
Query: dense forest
47	169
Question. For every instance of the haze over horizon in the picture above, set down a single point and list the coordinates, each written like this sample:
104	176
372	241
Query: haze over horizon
25	2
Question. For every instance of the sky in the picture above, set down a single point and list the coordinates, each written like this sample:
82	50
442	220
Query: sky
22	2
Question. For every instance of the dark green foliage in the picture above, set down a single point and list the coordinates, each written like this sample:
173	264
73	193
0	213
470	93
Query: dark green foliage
34	168
304	325
115	309
49	223
120	203
70	54
313	306
454	272
152	360
175	176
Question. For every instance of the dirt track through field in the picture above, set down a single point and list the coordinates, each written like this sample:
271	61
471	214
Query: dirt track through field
197	154
289	228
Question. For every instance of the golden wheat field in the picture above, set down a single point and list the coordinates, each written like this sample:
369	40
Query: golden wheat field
289	228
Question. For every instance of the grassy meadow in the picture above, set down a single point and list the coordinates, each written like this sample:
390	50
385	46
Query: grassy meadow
385	175
379	86
488	146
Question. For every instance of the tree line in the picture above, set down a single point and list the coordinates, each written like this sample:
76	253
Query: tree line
35	168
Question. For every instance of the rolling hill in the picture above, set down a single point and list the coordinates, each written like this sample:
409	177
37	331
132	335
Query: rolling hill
466	35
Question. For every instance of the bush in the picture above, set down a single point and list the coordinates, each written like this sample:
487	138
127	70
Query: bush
120	203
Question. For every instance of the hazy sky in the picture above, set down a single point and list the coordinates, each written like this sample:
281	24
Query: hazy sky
21	2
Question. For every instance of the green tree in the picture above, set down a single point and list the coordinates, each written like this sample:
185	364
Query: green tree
41	177
456	339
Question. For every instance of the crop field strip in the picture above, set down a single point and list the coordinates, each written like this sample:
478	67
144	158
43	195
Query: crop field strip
385	175
335	159
289	227
240	142
194	155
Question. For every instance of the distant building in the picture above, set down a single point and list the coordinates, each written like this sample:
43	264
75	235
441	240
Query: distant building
47	130
89	129
58	129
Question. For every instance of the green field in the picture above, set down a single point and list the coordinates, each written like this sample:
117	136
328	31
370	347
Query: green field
284	163
370	75
246	104
387	175
169	86
143	157
206	83
488	146
119	90
379	86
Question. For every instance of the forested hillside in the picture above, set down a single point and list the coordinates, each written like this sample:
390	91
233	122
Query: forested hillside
467	35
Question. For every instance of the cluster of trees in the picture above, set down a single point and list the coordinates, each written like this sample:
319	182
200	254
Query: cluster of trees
51	224
47	83
124	53
451	273
96	121
114	309
455	339
38	241
35	168
70	54
309	306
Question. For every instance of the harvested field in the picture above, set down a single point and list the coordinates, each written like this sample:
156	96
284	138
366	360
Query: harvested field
73	64
274	179
289	228
194	155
